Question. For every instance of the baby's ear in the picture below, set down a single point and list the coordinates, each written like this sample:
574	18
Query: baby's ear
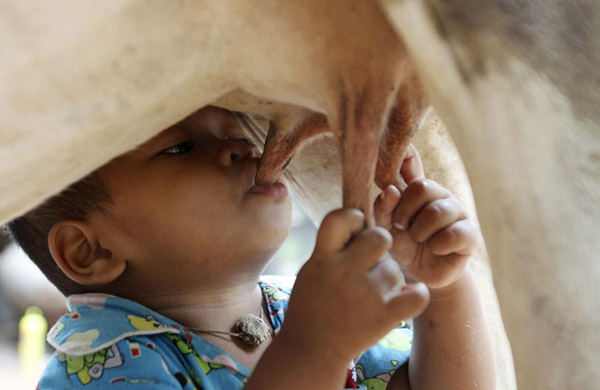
77	251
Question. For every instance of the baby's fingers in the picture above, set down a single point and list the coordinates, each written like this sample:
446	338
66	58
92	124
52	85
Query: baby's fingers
385	275
459	238
416	196
410	303
436	216
370	246
412	166
384	206
337	229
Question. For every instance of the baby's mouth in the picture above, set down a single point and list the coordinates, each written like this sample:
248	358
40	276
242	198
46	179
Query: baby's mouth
275	190
271	190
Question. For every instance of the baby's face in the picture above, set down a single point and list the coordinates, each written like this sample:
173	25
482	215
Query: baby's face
183	212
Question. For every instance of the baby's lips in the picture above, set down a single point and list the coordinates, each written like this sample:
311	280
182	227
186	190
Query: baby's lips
275	190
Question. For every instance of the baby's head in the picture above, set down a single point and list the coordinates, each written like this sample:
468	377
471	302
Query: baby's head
174	215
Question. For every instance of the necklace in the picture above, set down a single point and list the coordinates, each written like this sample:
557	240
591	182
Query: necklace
252	330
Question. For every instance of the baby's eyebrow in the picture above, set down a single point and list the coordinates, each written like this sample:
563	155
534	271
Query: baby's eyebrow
166	136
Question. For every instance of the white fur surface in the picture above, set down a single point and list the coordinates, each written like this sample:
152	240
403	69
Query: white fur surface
530	147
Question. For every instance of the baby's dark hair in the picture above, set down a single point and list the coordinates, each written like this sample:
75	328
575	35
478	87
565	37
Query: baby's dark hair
30	231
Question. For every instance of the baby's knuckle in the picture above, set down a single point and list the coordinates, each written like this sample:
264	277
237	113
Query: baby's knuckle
438	247
445	204
456	202
333	216
436	210
380	235
342	216
435	248
421	187
471	226
449	236
460	228
470	230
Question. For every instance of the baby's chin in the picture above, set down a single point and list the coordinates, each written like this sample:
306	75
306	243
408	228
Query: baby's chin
267	231
268	213
267	235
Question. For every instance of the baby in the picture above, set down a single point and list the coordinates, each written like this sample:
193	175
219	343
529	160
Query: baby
161	251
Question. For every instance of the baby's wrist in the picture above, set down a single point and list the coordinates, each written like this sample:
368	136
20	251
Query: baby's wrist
452	288
310	349
441	284
291	359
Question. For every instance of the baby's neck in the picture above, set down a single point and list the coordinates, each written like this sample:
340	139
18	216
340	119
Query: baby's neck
216	309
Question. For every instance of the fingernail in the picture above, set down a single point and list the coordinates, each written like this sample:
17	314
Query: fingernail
398	226
407	287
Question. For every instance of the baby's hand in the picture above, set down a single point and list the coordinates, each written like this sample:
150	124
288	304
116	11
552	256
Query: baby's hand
340	304
433	235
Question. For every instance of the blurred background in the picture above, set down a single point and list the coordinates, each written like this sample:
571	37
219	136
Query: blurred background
30	305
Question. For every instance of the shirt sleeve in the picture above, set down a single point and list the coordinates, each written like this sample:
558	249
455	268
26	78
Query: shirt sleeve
124	365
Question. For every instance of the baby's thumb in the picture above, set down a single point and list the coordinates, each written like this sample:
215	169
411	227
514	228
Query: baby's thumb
337	229
411	302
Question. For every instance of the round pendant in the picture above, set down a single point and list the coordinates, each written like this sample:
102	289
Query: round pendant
252	330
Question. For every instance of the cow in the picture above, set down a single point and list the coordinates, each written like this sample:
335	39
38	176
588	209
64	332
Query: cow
84	82
518	85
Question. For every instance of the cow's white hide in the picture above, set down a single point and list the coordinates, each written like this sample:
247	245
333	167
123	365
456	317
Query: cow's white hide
520	94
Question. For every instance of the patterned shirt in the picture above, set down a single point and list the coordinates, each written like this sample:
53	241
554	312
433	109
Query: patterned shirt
107	342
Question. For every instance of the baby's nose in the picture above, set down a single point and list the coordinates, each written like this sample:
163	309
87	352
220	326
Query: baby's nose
235	149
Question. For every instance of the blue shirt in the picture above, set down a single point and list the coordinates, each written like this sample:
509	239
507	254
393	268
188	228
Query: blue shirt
107	342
